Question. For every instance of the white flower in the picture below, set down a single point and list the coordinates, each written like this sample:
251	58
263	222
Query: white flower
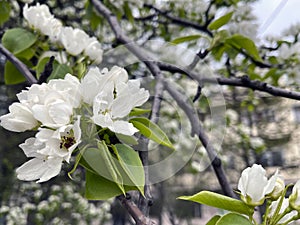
254	185
49	149
35	94
52	104
54	112
95	81
40	18
73	40
257	142
69	88
94	50
111	105
19	118
232	116
295	196
284	206
286	51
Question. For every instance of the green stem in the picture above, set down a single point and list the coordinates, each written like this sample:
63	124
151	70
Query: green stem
277	216
267	212
280	216
296	217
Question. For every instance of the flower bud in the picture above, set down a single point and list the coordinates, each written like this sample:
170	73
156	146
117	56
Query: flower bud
278	189
295	197
254	185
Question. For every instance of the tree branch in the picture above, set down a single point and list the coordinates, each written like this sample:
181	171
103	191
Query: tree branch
134	211
155	70
180	21
20	65
197	129
144	203
243	81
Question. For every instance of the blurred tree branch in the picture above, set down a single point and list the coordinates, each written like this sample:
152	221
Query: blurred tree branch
20	65
155	70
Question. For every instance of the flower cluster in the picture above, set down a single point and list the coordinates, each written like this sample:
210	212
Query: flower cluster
62	205
75	41
255	188
52	108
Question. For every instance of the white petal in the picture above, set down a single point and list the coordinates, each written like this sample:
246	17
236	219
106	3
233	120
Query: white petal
40	112
44	134
121	106
39	169
60	112
91	85
77	130
123	127
31	146
116	75
102	102
53	169
19	119
103	120
271	183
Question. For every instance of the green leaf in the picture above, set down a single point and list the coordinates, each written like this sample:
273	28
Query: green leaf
12	75
132	167
219	50
129	140
17	40
233	219
106	168
26	54
241	42
41	65
185	39
213	220
219	201
128	12
90	15
270	73
99	188
138	112
220	21
151	131
4	11
218	39
59	70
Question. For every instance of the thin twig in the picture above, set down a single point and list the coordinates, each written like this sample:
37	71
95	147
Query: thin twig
20	65
243	81
180	21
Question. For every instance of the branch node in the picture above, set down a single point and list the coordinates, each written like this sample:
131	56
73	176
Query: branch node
128	196
245	79
150	202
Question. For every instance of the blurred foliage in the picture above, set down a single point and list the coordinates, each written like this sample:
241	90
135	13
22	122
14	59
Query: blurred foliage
225	30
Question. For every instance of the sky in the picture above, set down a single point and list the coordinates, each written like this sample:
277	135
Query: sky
276	15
